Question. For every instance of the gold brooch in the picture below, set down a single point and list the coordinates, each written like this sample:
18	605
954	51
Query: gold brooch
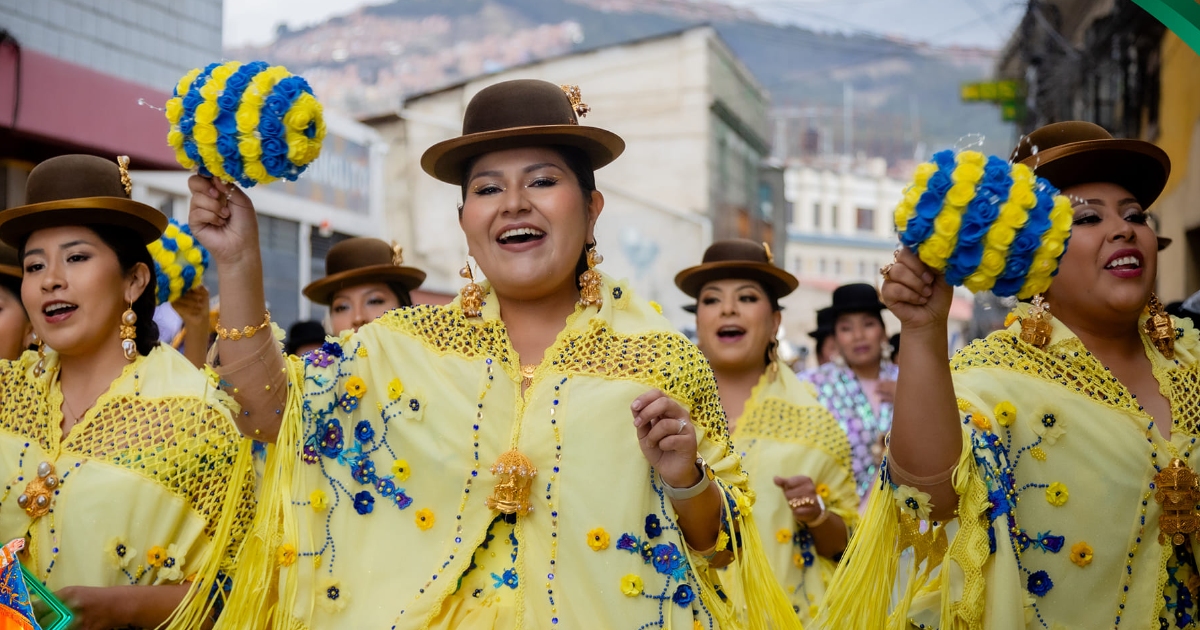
1160	328
1178	490
576	98
514	477
1036	328
770	256
39	491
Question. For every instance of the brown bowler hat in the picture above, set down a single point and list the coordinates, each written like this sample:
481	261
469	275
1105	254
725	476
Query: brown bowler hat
520	113
79	190
356	261
737	258
9	265
1077	152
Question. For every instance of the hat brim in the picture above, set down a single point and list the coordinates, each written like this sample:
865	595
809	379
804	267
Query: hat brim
445	160
11	271
1140	167
776	280
321	290
820	333
16	224
1164	242
689	308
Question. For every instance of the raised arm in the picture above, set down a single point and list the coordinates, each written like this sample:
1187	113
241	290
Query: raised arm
926	438
222	218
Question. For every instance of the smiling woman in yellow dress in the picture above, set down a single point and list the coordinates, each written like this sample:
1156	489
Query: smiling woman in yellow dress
545	451
122	466
364	278
15	332
796	454
1064	446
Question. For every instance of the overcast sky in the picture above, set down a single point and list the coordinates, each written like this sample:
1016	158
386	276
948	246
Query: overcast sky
971	22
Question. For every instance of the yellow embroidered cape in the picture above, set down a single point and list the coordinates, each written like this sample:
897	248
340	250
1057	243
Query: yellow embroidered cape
784	431
152	486
1058	522
376	505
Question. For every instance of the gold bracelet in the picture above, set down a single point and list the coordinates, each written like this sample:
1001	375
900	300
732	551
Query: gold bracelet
245	332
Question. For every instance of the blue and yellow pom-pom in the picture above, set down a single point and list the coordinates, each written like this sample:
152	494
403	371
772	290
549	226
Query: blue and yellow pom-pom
245	123
987	224
179	262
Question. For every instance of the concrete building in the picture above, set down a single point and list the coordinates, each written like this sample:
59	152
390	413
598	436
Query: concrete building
693	119
72	73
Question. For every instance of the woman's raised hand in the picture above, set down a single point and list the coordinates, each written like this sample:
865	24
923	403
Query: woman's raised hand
667	438
222	219
917	295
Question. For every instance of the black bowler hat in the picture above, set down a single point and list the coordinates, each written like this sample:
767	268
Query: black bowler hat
304	333
856	298
825	320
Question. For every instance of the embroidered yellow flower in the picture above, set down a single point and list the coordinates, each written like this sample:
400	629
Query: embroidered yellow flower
1056	494
120	553
798	560
318	500
156	556
424	518
696	625
332	598
632	585
1081	554
400	470
356	387
981	422
823	491
286	555
1005	413
598	539
395	389
656	306
913	502
783	535
1010	319
362	351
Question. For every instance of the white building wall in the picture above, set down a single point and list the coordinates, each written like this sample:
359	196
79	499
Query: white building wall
152	42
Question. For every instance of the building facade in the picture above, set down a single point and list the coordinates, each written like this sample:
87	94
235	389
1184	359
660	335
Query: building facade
693	119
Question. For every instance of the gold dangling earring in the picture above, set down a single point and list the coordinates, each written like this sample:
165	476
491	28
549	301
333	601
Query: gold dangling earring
129	333
590	281
40	368
471	295
1036	328
773	359
1160	328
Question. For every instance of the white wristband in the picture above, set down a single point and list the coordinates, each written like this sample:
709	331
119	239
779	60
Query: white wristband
683	494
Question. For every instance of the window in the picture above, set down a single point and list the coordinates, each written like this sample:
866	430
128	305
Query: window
816	215
822	266
790	208
280	243
866	220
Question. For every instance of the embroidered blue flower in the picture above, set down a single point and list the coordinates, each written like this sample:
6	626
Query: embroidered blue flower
310	454
363	471
668	560
653	528
684	595
364	503
628	542
1039	583
364	432
386	487
1023	540
999	503
509	579
348	403
331	440
617	293
808	558
414	404
402	500
332	349
1049	542
319	358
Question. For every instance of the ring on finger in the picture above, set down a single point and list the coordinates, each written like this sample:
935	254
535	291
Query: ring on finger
886	270
682	426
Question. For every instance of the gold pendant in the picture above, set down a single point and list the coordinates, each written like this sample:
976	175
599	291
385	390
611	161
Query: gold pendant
1177	488
1160	328
39	492
1036	329
514	477
527	374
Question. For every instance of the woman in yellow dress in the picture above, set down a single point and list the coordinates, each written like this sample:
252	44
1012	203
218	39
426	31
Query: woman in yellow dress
364	278
797	456
15	332
543	452
1064	444
121	464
